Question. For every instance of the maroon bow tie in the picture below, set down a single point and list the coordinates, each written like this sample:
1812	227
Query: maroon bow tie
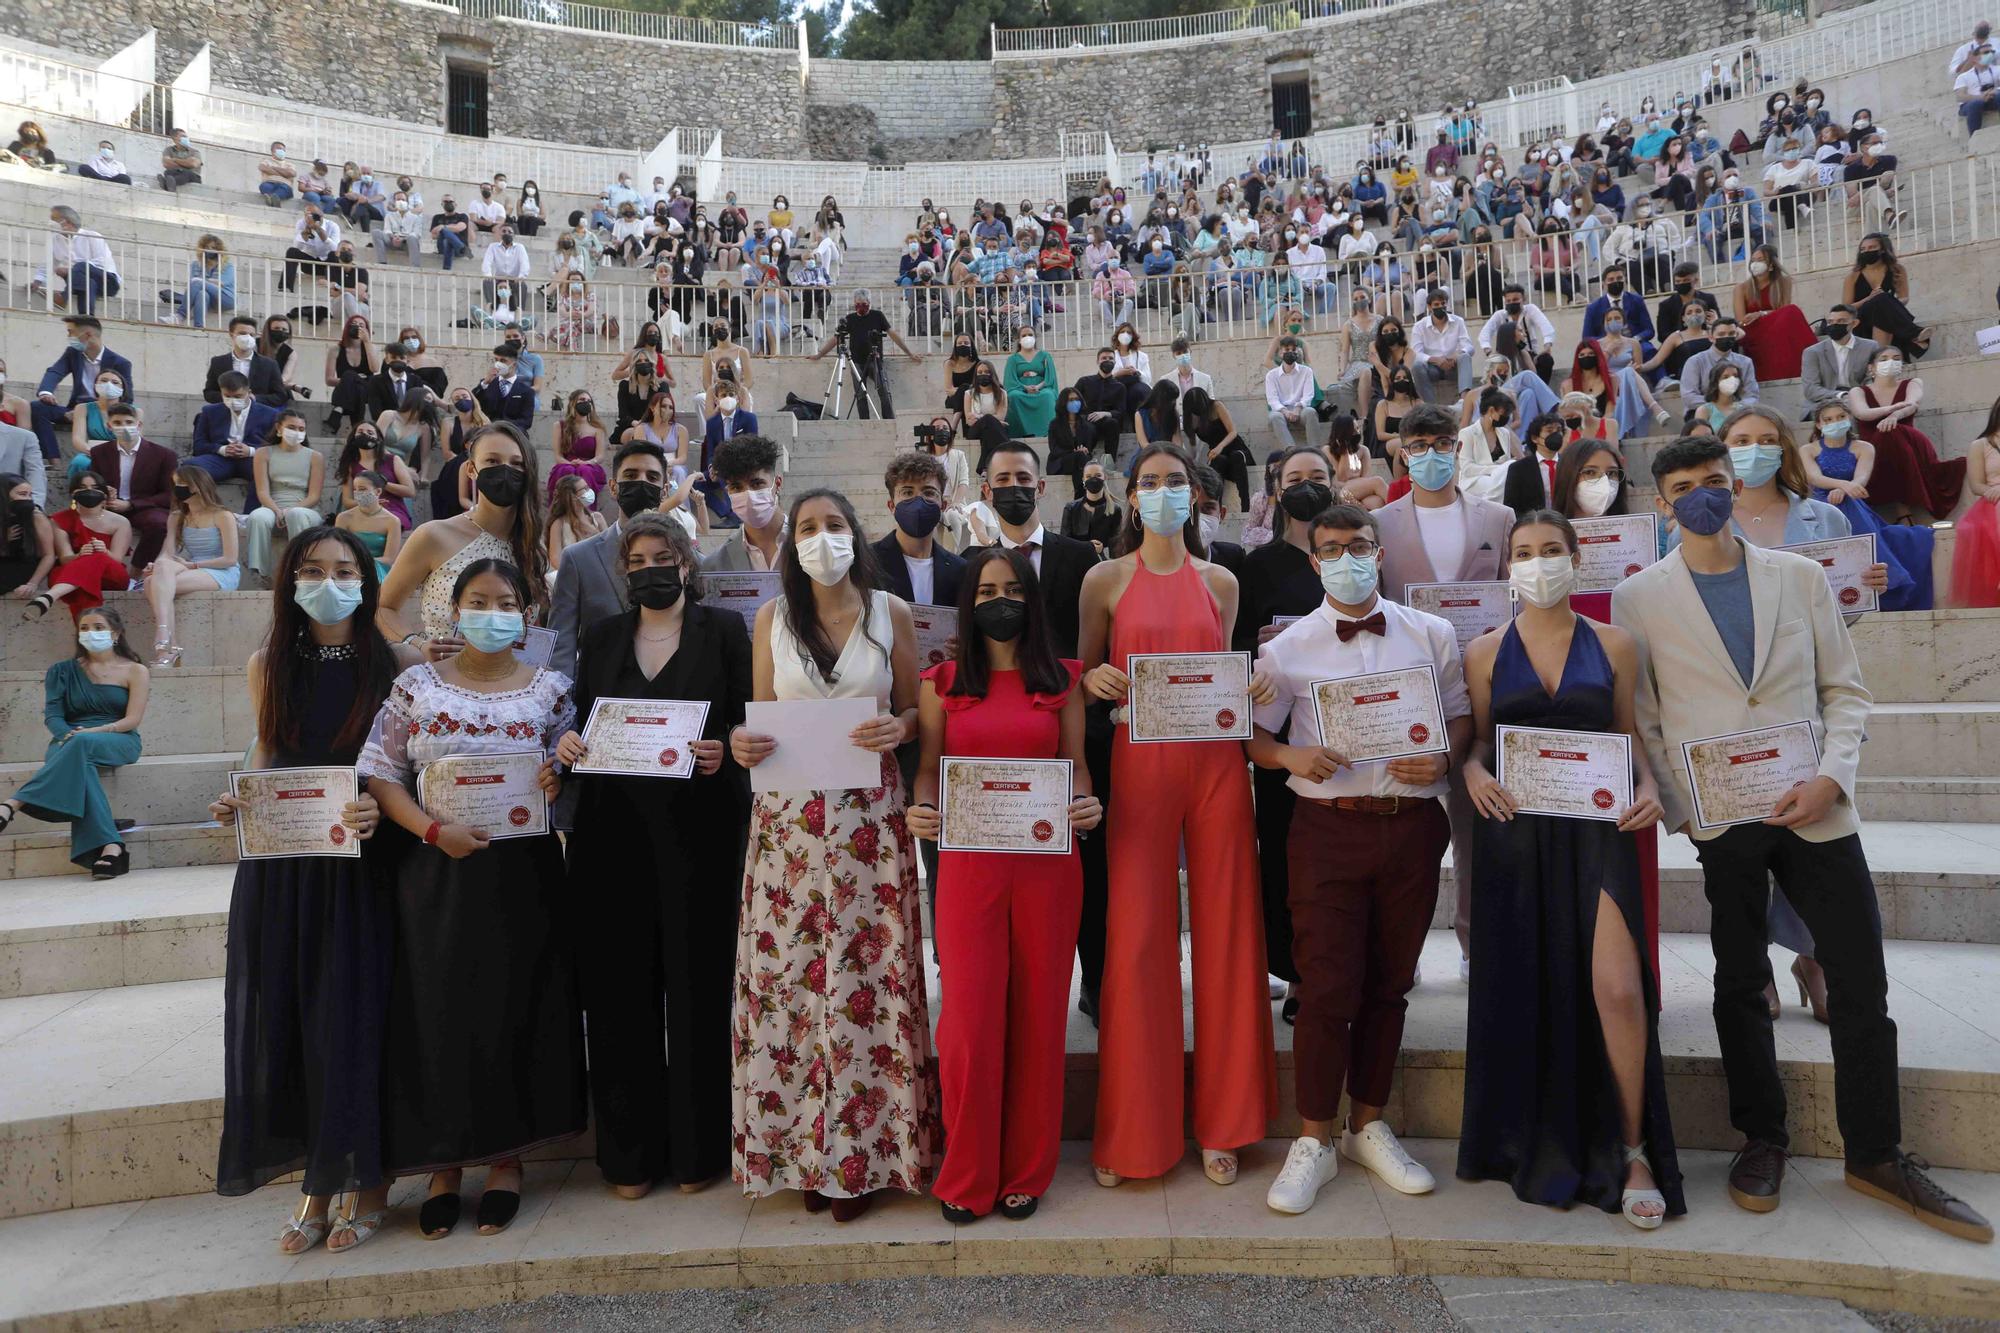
1374	624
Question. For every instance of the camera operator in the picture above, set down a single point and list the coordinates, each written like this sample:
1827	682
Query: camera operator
863	331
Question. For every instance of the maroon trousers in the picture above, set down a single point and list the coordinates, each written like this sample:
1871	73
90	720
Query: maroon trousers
1363	889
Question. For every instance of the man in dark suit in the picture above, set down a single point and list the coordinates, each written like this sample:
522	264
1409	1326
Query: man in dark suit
1214	513
591	584
267	382
506	394
1014	488
140	476
79	363
226	435
728	421
388	386
1531	478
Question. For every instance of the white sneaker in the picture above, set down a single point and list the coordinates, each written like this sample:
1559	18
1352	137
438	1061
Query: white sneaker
1308	1166
1277	987
1376	1148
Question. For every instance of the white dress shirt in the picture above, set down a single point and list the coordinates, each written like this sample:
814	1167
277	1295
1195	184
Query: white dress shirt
491	212
1310	650
324	244
1288	388
84	247
128	453
1308	262
1033	542
505	261
1431	341
1538	334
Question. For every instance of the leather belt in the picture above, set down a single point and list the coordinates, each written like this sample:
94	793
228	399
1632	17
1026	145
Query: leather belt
1369	805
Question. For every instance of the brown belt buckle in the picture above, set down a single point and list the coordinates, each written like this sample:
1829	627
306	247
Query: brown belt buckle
1377	805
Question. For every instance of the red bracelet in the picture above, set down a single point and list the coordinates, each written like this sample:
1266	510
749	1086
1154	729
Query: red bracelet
431	833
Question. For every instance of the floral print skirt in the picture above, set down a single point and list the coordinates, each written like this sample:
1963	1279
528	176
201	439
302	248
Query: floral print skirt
836	1089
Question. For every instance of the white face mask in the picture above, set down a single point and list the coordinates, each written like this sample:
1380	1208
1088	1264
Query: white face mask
1027	342
111	389
727	406
1124	340
293	435
825	556
1729	384
1888	370
1211	528
245	342
502	369
238	406
1758	268
1594	495
1543	580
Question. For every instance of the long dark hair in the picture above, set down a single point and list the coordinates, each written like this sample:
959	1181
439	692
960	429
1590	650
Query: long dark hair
29	543
491	565
1569	471
801	610
524	534
350	453
281	708
1162	409
1132	531
1549	516
119	648
1042	672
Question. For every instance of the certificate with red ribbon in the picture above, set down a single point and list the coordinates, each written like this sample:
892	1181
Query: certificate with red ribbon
1573	774
1381	714
293	812
1188	697
1005	805
642	738
498	794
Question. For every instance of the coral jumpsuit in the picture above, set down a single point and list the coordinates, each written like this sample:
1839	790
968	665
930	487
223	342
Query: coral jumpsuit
1165	795
1006	928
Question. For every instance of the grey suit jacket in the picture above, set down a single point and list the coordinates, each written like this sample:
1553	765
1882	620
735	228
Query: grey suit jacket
1826	374
1688	689
21	454
589	586
732	557
1404	560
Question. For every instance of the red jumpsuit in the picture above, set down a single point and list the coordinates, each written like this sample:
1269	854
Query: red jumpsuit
1164	795
92	575
1006	930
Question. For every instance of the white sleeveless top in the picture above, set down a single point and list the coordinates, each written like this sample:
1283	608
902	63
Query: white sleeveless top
862	671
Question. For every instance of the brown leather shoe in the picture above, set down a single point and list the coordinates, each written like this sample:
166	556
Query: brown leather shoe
1904	1182
1755	1175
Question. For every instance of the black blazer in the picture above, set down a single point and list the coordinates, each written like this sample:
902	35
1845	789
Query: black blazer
267	382
946	567
517	407
380	395
1230	556
1526	486
1065	561
712	663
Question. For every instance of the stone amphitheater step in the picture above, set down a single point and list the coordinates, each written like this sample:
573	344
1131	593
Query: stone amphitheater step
1937	880
112	1095
204	1263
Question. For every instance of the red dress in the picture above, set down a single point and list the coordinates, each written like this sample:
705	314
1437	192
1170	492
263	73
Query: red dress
1006	927
1907	468
93	574
1975	560
1165	795
1776	344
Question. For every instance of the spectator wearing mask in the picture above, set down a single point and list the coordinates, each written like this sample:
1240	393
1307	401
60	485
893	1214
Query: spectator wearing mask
1443	350
505	270
105	166
139	475
199	556
505	393
1105	405
180	164
744	486
1788	180
1836	363
276	176
364	203
402	230
91	547
211	284
1977	89
1531	479
227	432
80	261
863	329
1638	321
1910	480
1975	561
1535	334
487	213
451	232
288	480
1775	333
1288	394
1093	516
316	186
315	239
1699	369
83	362
1732	219
1877	287
267	384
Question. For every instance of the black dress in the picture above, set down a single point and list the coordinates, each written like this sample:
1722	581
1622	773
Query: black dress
650	861
311	941
1541	1111
1278	580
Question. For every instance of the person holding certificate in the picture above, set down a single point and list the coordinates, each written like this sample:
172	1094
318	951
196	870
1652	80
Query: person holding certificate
485	1046
1738	638
1156	597
1367	839
311	938
1278	579
836	1092
650	862
1006	922
1563	996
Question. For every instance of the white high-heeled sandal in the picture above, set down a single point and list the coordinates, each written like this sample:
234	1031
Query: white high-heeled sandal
1219	1166
1632	1197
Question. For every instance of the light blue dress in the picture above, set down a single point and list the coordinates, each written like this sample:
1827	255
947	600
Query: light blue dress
206	544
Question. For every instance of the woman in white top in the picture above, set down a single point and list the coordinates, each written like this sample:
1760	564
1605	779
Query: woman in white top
836	1088
1487	446
721	350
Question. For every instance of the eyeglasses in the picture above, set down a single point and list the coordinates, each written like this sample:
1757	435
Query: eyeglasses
1418	448
1361	548
1591	472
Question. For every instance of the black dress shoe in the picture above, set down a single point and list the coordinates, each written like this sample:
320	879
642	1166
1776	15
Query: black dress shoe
1289	1010
1756	1174
439	1215
1086	1004
497	1209
1905	1182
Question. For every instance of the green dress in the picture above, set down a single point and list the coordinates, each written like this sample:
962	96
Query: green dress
376	542
1029	416
67	787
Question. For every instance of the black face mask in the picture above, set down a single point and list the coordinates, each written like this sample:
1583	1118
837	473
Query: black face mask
1001	619
183	493
20	512
1588	362
88	499
1306	500
1104	367
1094	486
918	516
1725	344
1513	307
1614	289
501	484
1014	504
656	587
983	378
636	497
1684	288
281	335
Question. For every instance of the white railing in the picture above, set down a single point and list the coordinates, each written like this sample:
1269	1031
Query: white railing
1943	206
1282	16
951	185
633	23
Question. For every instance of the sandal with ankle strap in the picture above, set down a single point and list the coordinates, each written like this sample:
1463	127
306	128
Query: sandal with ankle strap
1633	1198
107	866
1219	1166
362	1228
37	607
312	1228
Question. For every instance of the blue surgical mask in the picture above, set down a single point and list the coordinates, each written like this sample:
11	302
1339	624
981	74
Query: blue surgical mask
95	640
1705	510
1433	471
491	631
1165	511
1348	580
1756	463
1075	406
327	601
1833	430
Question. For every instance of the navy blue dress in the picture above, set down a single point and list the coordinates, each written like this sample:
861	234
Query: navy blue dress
1541	1111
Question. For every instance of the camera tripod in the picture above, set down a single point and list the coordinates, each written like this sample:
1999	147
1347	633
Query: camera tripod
838	407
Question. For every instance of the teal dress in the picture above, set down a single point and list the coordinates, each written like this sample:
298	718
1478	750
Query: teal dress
67	788
98	431
377	543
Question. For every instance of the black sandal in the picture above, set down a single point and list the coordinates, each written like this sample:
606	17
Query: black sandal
439	1215
7	812
107	866
957	1216
1020	1212
497	1209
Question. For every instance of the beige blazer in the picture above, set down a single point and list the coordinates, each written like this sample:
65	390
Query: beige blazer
1688	688
1404	560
